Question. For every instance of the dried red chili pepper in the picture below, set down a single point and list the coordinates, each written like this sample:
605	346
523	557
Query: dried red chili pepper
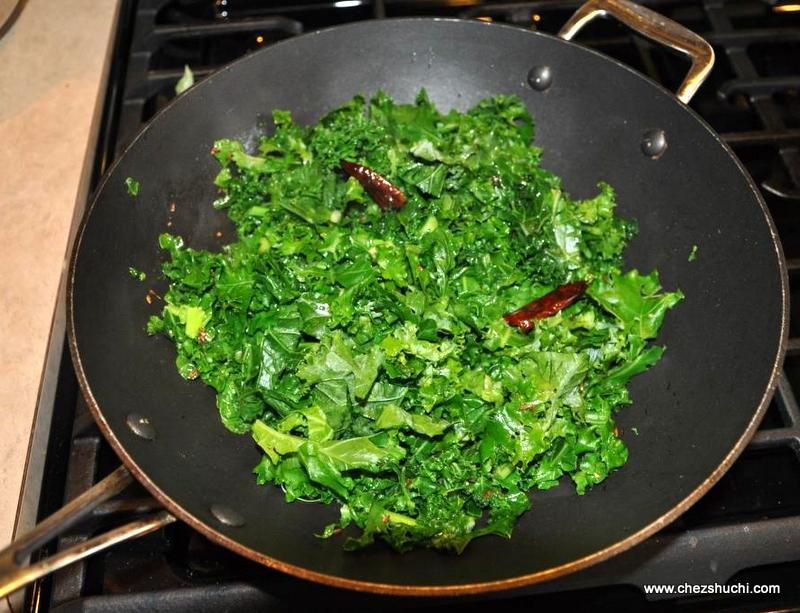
546	306
386	195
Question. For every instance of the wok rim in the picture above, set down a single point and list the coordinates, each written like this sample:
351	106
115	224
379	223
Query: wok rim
399	589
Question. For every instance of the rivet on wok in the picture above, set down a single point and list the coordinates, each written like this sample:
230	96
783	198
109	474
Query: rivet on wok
141	426
226	515
540	78
654	143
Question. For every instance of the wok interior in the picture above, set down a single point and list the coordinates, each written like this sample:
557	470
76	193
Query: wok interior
690	410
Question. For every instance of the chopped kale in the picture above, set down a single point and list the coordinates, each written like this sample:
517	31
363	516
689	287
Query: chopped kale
365	350
137	274
186	80
133	186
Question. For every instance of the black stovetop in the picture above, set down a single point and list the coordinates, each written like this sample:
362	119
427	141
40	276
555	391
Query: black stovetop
746	529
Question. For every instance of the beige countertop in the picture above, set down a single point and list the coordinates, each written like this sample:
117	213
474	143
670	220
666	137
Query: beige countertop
52	69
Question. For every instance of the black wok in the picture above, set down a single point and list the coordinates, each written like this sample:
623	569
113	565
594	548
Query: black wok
596	120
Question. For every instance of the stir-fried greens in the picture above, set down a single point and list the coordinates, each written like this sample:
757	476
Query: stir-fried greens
365	349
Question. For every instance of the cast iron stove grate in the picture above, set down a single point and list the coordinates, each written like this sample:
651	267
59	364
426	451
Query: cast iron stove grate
746	529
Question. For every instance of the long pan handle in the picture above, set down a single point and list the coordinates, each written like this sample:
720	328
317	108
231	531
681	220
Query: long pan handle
14	574
655	27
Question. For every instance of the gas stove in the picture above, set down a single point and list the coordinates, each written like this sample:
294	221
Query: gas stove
745	530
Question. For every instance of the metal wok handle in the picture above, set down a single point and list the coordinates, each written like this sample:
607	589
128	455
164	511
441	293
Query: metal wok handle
655	27
13	572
